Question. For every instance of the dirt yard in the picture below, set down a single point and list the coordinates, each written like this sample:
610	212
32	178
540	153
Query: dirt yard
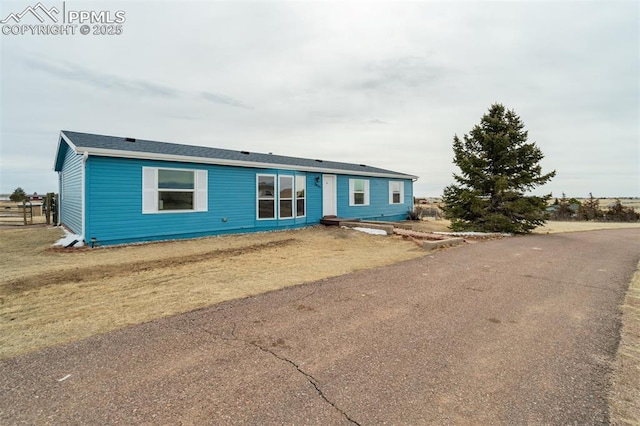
53	295
50	296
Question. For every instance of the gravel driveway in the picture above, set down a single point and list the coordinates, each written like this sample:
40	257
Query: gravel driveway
512	331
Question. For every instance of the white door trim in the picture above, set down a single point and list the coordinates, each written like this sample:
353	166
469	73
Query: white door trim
329	195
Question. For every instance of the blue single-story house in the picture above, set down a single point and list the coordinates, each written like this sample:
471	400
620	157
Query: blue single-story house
116	190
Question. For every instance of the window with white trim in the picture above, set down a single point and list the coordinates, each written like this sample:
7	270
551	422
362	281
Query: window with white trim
396	192
173	190
301	195
281	196
285	192
266	196
358	192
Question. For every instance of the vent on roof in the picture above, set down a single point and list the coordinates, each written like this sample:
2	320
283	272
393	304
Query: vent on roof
319	161
363	165
245	152
130	139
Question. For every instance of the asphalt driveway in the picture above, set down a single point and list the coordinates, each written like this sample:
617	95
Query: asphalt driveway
514	331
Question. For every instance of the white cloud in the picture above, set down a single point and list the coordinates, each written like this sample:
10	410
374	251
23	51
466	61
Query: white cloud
384	83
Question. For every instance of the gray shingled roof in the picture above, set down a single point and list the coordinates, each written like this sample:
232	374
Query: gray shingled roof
91	141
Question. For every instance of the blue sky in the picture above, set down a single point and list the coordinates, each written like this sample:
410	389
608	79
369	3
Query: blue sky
381	83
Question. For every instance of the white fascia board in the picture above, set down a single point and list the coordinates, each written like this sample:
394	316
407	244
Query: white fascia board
223	162
68	141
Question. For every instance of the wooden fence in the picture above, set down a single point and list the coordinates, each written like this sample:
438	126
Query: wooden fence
17	214
29	213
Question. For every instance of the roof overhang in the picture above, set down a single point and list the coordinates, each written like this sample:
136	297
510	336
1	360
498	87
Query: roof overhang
57	161
101	152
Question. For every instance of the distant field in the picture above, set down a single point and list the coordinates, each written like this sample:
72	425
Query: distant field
605	202
553	227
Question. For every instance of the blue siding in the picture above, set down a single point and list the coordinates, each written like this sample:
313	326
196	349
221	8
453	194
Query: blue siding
71	191
314	197
379	207
114	203
113	190
408	194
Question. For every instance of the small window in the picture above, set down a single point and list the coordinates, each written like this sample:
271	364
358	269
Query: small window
173	190
286	197
358	192
301	195
266	197
396	192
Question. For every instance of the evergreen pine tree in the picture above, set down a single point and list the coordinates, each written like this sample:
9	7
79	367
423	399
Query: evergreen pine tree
590	209
564	211
18	195
497	167
619	213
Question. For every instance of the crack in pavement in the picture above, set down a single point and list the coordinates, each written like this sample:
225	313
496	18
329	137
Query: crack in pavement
307	295
312	380
309	377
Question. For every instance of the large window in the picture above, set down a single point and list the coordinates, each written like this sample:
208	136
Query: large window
396	192
301	195
358	192
266	197
173	190
281	196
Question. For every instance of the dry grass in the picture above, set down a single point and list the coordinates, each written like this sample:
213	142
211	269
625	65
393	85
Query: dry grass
51	296
627	202
431	225
551	227
556	227
624	398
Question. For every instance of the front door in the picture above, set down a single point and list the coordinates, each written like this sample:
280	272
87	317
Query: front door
329	196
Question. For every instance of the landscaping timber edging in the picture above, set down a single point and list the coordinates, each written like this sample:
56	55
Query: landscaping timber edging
435	240
449	242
